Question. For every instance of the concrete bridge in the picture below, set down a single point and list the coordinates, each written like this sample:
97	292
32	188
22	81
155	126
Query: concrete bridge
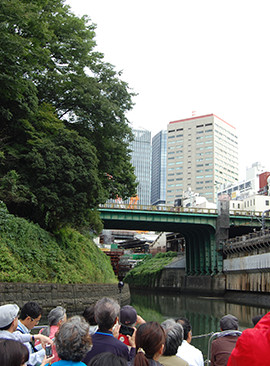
204	230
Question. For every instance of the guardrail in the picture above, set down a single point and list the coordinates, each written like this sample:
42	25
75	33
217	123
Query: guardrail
218	334
197	210
247	242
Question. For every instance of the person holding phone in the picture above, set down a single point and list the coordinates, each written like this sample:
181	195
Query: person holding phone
8	328
105	339
29	317
72	341
128	318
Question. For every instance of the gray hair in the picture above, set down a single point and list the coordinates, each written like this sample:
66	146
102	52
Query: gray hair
73	340
174	336
106	312
55	315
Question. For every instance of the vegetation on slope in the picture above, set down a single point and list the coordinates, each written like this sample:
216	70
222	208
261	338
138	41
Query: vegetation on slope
149	270
31	254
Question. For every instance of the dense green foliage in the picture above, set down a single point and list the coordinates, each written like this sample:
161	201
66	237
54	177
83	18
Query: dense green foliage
31	254
147	272
64	136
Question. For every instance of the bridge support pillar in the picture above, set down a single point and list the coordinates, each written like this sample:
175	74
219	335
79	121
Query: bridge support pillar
222	230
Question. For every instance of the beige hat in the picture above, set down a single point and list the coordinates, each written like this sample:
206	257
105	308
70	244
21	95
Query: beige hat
7	314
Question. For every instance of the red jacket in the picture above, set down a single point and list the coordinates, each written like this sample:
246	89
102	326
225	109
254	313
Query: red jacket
253	346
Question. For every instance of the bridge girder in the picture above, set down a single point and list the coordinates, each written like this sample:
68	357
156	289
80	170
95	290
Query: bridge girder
203	256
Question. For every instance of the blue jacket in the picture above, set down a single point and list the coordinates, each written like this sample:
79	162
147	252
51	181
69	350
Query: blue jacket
67	363
106	342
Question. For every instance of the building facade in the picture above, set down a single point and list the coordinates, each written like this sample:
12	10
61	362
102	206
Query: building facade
141	160
247	187
202	153
158	175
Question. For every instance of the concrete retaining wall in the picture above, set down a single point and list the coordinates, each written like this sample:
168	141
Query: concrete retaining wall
74	297
253	282
249	263
206	285
174	279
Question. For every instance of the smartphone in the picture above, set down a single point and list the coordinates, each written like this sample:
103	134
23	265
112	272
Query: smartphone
48	350
124	329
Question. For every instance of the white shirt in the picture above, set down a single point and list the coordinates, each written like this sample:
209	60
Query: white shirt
15	335
190	354
93	329
35	358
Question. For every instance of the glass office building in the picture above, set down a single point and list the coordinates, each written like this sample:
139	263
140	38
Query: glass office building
158	180
141	160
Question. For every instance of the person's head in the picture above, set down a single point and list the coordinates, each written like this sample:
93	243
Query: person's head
228	322
30	314
187	328
150	341
13	353
174	336
107	359
73	340
128	315
256	319
89	315
106	313
9	317
57	316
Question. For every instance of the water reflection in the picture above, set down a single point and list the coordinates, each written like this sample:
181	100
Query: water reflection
203	312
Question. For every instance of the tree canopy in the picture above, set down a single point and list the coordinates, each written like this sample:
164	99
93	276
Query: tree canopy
64	140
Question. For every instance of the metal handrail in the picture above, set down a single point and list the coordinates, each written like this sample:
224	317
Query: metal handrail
202	335
223	333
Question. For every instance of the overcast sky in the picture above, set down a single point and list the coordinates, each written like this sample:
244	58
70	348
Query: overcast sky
180	56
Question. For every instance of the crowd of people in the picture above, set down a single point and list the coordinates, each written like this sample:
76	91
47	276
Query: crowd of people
107	335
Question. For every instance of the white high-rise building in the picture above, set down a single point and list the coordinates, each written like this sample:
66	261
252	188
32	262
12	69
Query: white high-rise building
202	153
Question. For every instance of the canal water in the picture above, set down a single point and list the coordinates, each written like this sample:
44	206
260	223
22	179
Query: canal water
203	312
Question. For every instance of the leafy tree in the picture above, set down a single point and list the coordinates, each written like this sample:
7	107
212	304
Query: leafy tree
64	139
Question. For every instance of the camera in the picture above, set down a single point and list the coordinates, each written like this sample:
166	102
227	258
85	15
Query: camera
48	350
124	329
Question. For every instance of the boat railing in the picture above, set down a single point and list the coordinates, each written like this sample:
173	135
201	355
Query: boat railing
202	335
219	334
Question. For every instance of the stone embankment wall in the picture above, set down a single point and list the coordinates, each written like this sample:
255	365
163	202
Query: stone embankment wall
247	263
174	279
74	297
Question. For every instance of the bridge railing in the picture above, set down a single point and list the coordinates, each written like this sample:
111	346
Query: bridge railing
245	213
247	237
159	208
258	240
196	210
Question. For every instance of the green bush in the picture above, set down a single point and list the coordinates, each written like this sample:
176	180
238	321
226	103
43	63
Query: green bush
147	272
31	254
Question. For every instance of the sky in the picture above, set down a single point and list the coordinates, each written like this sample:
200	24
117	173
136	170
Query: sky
180	56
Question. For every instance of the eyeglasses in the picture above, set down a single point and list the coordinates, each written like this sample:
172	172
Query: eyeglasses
34	320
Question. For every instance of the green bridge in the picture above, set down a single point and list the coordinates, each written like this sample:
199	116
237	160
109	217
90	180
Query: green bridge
203	229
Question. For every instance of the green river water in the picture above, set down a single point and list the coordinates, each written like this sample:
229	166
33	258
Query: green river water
203	312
